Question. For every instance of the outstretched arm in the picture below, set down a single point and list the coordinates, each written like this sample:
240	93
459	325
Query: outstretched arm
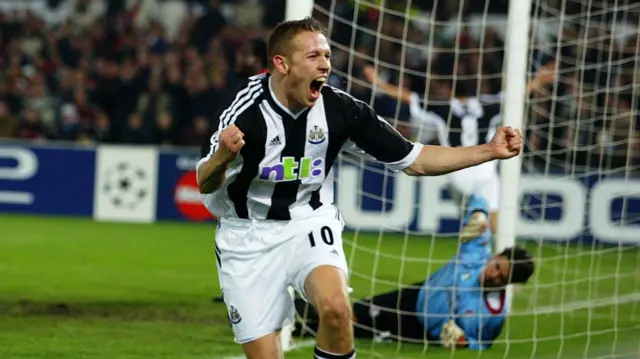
377	138
438	160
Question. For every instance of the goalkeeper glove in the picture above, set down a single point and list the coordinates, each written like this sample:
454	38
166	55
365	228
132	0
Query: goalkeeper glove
452	335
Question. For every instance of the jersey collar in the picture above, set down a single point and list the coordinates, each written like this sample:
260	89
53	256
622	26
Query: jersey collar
279	107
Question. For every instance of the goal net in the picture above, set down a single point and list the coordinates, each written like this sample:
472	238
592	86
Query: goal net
577	185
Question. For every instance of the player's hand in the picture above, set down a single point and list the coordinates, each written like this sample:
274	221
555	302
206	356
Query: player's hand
231	142
546	74
506	143
370	74
452	335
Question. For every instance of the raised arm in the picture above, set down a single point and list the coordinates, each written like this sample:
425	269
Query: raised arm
476	246
225	147
390	90
427	125
232	120
545	76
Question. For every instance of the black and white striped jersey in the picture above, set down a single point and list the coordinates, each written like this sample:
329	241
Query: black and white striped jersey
284	169
458	123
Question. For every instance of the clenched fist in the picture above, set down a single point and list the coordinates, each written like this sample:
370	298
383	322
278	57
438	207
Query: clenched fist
231	142
506	143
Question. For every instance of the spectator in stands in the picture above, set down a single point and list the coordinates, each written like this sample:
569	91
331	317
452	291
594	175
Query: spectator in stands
165	130
101	132
38	97
135	132
197	131
31	127
8	122
153	102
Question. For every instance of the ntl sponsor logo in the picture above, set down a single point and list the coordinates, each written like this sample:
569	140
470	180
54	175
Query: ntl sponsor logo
291	170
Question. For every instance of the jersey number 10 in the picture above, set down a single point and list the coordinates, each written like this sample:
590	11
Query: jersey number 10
325	233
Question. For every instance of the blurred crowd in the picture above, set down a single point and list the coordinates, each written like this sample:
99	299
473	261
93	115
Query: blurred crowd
153	71
110	71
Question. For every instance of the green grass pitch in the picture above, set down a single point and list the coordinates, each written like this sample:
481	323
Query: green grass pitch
73	288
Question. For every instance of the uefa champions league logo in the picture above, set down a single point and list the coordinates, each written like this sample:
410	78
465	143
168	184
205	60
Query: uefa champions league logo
126	186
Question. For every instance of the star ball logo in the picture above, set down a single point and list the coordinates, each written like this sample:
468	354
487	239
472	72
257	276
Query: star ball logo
126	185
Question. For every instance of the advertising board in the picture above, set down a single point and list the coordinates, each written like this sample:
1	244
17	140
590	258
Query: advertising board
556	207
46	180
146	184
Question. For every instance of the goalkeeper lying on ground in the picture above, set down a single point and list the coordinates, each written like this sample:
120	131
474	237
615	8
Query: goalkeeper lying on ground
462	304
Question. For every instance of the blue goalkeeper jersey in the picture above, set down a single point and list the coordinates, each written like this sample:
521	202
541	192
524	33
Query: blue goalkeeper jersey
454	292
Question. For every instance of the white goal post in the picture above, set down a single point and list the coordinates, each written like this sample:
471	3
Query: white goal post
570	198
514	79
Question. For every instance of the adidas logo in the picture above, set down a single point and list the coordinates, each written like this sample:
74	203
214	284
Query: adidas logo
275	141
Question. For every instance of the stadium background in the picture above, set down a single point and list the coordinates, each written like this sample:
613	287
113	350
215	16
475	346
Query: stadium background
103	105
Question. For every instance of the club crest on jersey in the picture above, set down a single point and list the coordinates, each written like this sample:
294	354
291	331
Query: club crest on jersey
234	316
316	135
291	170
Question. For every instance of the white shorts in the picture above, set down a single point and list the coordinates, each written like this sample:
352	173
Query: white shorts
259	260
485	184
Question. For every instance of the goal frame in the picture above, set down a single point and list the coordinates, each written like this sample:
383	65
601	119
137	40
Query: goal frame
513	111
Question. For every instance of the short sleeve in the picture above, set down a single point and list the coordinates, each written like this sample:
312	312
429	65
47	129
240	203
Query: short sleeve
371	134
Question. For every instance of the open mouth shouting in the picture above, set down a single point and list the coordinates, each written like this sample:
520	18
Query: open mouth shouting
316	86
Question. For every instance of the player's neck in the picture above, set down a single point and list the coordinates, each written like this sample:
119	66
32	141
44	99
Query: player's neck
278	88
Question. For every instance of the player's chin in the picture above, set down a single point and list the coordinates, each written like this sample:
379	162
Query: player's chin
311	99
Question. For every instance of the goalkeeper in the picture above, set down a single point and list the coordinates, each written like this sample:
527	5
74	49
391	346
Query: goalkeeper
462	304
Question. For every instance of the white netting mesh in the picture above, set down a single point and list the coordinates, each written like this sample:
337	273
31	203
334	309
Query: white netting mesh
579	167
